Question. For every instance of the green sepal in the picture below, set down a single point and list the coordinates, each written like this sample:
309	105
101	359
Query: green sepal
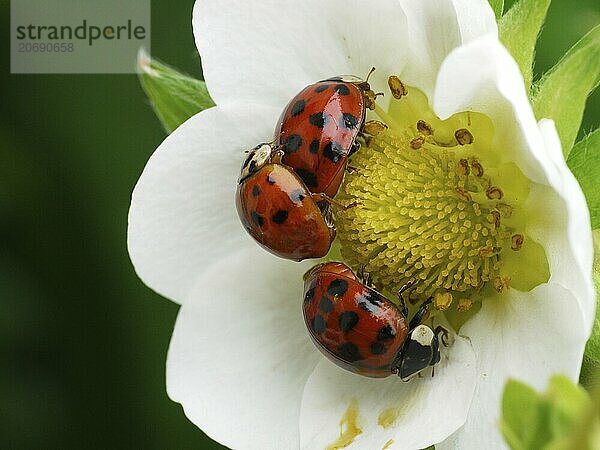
498	7
174	96
519	29
584	162
562	92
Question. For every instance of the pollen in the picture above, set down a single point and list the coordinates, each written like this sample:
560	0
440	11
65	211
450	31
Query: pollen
428	208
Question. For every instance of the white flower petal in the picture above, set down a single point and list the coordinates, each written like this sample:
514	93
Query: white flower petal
182	214
266	51
578	248
526	336
240	353
427	410
483	77
435	28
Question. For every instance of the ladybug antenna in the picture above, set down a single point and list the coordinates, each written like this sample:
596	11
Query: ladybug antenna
369	74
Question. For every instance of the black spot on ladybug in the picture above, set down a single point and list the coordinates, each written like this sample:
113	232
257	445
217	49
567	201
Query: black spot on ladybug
318	324
270	179
310	294
309	178
321	87
314	146
377	348
297	195
317	119
349	352
325	305
342	89
280	216
337	287
386	333
298	108
255	190
257	219
348	121
348	320
333	151
293	143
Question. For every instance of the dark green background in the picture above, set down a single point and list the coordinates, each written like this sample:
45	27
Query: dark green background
82	341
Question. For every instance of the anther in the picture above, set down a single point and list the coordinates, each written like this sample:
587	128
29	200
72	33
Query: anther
463	194
517	242
417	142
424	128
463	136
442	300
464	304
374	127
477	168
494	217
463	167
397	87
501	284
494	193
505	210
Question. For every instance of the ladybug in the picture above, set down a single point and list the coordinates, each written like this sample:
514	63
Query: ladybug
360	330
317	130
277	209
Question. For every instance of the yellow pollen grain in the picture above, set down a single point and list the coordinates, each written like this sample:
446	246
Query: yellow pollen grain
442	300
348	427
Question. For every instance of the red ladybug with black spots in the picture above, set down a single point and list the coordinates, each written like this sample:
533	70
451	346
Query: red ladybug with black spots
363	332
318	129
278	211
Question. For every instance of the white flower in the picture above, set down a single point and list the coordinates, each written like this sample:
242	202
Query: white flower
241	362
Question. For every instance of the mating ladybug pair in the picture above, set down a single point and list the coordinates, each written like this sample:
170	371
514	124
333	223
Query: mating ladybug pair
286	187
284	198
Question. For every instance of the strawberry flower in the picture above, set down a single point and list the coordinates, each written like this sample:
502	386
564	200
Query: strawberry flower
490	222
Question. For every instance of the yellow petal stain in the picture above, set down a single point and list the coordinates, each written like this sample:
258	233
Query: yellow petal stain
388	444
348	427
388	416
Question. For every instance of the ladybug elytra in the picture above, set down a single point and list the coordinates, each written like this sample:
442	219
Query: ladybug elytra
318	129
360	330
277	209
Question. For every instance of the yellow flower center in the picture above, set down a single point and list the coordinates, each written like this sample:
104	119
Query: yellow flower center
433	203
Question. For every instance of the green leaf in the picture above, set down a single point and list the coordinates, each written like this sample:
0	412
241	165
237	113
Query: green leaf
519	29
520	414
590	371
174	96
563	418
584	162
498	7
562	92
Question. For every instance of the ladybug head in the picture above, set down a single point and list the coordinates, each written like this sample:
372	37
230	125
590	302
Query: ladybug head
257	157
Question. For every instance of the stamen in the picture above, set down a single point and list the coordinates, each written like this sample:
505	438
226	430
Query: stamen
463	136
442	300
397	87
424	128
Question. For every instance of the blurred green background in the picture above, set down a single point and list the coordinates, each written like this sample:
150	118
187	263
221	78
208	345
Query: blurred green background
82	341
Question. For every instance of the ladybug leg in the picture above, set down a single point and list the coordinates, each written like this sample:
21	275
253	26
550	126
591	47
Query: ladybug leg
442	334
420	314
351	169
403	307
355	147
320	197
